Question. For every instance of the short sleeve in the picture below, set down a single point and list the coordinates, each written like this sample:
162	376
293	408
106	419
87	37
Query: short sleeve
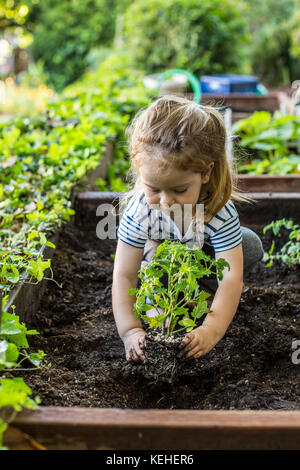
225	229
132	229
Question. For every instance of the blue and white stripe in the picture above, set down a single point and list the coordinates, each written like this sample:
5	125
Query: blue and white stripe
140	222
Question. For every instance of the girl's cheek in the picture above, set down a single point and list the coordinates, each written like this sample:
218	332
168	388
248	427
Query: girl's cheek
152	198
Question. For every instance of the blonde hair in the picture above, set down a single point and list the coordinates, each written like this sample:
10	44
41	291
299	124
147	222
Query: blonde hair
174	131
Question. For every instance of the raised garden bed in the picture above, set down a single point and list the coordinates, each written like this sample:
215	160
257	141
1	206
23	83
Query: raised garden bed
243	394
26	296
269	183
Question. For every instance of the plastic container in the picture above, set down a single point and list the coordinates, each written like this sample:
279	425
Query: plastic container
227	84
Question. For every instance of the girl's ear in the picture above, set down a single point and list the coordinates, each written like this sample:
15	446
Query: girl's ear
206	174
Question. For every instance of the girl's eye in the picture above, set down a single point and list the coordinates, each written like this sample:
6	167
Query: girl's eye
154	190
181	191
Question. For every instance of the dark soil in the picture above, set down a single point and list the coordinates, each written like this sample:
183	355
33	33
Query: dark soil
250	368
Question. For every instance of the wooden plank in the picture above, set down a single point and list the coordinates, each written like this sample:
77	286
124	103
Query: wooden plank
97	428
15	439
269	183
101	170
273	196
243	102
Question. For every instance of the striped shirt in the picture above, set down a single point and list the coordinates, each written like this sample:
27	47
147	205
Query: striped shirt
140	222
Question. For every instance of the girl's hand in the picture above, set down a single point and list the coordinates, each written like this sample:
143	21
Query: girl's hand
198	342
134	343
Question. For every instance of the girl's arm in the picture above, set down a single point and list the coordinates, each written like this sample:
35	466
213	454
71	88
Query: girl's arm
125	276
226	300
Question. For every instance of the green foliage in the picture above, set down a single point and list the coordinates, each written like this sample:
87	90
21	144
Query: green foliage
270	47
14	393
269	139
183	267
13	14
296	35
66	30
203	37
43	157
289	253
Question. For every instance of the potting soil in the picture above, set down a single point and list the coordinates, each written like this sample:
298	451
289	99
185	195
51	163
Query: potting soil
252	367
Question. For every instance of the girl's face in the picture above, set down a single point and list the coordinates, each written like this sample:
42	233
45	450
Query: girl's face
172	186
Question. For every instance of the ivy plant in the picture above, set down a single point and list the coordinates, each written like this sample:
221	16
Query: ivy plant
14	354
183	301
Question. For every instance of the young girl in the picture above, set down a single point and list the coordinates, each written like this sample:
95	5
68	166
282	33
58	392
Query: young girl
178	156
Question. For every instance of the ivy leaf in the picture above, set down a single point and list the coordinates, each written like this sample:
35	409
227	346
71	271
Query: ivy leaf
15	393
37	268
12	274
35	358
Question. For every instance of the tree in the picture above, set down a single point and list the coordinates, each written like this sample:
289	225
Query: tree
203	37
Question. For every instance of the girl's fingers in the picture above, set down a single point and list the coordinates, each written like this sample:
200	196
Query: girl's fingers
199	354
140	353
186	340
193	352
187	347
134	356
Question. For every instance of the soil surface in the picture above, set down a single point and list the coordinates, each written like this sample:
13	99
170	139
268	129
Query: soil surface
250	368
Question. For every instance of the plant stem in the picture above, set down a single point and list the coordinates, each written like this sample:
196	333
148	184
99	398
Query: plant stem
177	331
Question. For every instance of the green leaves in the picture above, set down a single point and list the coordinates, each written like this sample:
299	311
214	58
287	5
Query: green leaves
272	140
155	35
43	157
9	272
289	253
8	354
14	331
37	268
182	267
15	393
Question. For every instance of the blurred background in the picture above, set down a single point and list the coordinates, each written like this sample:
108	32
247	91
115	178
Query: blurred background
242	55
46	45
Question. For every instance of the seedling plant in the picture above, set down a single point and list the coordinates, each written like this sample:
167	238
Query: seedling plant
289	254
183	301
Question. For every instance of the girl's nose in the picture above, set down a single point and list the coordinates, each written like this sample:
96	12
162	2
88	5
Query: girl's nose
167	199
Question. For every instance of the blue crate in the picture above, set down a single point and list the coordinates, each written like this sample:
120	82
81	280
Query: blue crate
226	84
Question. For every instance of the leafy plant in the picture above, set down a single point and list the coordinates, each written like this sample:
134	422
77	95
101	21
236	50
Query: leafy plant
14	393
270	48
64	32
289	254
183	266
268	140
204	37
43	157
